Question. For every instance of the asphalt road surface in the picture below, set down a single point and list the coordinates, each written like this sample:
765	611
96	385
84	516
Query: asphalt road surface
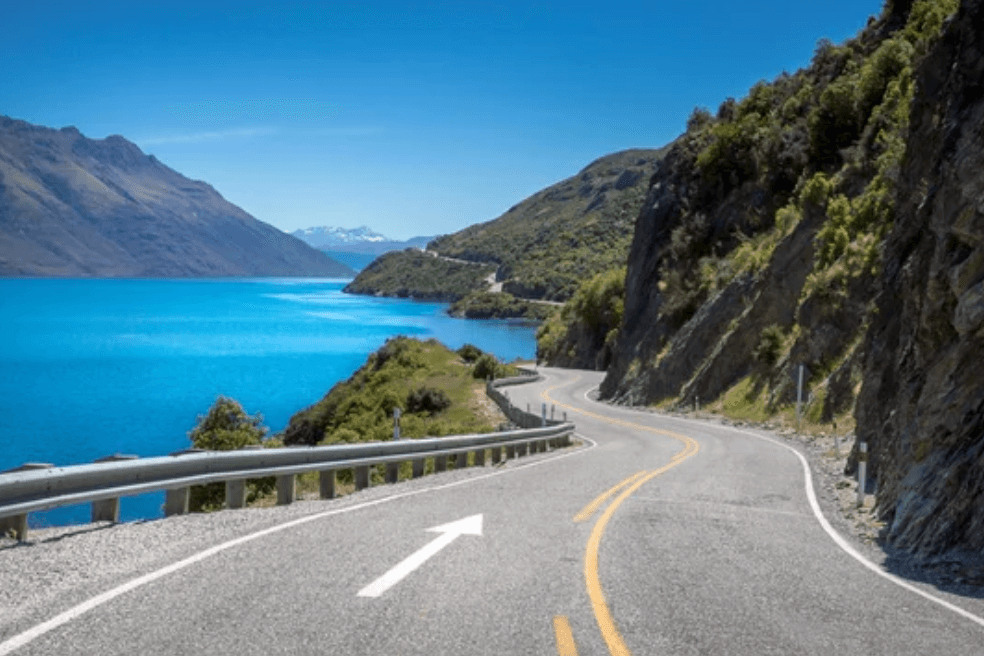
656	536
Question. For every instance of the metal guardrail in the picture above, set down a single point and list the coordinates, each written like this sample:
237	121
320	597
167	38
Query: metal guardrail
36	486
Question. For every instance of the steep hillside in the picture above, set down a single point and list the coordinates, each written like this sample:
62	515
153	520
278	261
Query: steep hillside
73	206
831	219
921	408
546	245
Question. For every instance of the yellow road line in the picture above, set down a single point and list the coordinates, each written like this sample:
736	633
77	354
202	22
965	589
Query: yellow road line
590	509
603	615
565	639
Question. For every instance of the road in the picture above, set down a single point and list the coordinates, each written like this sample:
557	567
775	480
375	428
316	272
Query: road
710	546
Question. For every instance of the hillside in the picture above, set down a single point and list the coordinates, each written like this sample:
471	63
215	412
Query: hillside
440	392
73	206
829	219
543	247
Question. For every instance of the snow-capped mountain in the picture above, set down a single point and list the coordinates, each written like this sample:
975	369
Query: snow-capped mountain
333	236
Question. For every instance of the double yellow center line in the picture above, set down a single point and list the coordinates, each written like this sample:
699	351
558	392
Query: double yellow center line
625	489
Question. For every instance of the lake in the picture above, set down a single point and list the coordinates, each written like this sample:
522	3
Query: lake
90	368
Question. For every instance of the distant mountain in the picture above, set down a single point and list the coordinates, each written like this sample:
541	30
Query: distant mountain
74	206
541	249
355	240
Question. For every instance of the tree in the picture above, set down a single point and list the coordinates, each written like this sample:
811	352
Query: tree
226	427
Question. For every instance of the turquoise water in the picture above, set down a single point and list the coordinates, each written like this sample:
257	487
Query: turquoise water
89	368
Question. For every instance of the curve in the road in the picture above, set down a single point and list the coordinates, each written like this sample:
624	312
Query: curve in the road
603	615
838	539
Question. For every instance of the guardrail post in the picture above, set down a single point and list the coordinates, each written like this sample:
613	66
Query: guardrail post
522	449
326	480
461	460
440	463
362	477
108	510
392	472
286	489
236	493
418	467
176	501
16	525
510	451
496	455
480	458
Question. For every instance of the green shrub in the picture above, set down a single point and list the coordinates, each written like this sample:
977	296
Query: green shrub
226	427
890	60
469	353
699	119
770	346
485	367
834	123
429	400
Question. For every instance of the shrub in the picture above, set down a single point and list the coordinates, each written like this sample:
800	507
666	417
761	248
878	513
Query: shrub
485	367
469	353
226	427
699	119
834	123
770	345
429	400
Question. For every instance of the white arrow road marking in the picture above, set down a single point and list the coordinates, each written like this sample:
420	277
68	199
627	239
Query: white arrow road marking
449	533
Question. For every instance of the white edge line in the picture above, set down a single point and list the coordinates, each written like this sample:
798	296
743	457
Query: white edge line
25	637
830	530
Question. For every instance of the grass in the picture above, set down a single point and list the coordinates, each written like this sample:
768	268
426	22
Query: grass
748	401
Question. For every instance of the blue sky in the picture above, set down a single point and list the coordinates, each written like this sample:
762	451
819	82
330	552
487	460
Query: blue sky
412	118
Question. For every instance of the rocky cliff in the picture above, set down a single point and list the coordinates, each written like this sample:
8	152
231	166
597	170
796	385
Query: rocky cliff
73	206
834	219
921	407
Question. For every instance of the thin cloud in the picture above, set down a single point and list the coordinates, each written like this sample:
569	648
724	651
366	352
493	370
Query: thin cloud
353	131
211	135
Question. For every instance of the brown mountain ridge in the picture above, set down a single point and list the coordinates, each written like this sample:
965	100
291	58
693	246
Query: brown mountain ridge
71	206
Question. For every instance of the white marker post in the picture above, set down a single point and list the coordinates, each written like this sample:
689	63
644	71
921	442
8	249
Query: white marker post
449	533
862	471
543	414
799	398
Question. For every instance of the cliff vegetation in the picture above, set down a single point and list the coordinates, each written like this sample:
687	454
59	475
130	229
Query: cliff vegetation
832	219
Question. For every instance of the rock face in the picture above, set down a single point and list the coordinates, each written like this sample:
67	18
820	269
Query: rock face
921	409
73	206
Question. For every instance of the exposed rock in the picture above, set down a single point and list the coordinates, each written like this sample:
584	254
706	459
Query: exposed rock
921	408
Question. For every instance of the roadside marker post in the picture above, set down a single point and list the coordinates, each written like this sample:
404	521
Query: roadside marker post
799	398
862	471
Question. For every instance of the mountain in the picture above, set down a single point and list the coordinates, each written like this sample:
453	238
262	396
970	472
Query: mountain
74	206
831	219
541	249
355	240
